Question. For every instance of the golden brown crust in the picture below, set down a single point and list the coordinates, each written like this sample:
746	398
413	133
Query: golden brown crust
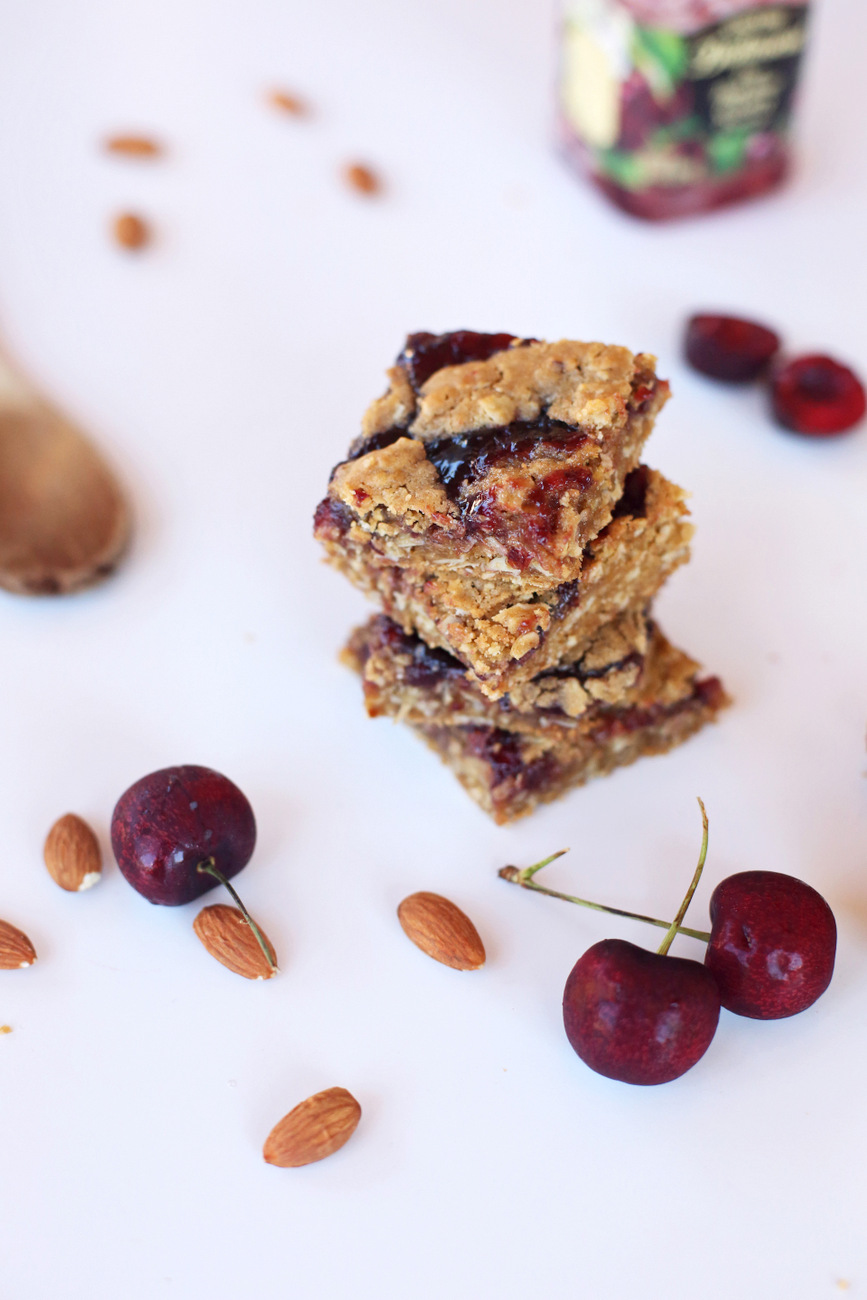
394	409
587	384
398	483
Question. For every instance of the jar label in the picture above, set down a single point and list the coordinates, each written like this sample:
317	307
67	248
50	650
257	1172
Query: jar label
652	106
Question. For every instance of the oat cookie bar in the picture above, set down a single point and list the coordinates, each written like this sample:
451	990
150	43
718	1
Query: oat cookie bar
467	505
632	694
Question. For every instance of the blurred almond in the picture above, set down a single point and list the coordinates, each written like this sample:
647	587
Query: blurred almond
442	930
227	936
72	854
287	103
316	1128
362	179
131	231
16	950
134	146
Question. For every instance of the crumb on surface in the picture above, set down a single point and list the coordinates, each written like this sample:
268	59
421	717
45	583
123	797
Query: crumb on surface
131	231
5	1029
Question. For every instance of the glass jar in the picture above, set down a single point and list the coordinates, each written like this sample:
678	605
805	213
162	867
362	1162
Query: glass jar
679	106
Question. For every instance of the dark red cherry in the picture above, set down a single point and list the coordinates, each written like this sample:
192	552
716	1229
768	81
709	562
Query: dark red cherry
772	944
639	1016
169	822
817	396
729	348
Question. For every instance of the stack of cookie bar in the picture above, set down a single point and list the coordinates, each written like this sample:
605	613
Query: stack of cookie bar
496	509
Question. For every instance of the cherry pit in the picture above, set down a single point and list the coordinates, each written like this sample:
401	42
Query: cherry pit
645	1018
812	395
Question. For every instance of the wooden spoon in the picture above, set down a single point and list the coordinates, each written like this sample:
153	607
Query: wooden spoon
63	518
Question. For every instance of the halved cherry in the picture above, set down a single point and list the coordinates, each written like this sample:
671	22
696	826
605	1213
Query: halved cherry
728	347
816	396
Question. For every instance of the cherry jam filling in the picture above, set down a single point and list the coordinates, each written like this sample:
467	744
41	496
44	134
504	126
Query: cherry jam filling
589	674
361	446
633	500
429	664
622	722
424	354
568	596
468	457
502	752
331	520
523	532
645	386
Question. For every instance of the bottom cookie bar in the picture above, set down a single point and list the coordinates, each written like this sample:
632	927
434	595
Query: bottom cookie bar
510	758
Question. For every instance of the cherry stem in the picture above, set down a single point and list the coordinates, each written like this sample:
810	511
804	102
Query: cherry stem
210	868
524	878
687	898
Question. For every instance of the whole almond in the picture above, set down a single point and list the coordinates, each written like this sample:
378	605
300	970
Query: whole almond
16	950
362	179
228	937
287	103
131	231
442	930
134	146
72	854
316	1128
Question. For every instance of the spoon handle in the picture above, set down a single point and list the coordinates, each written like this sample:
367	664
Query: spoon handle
14	391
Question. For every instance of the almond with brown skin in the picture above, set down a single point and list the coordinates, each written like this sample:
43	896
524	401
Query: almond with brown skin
131	231
227	936
442	930
134	146
362	179
316	1128
287	103
72	854
16	950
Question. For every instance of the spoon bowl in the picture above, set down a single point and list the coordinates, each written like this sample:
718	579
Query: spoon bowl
64	521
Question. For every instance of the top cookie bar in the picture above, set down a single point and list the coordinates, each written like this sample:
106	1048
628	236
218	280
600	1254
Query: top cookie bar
494	458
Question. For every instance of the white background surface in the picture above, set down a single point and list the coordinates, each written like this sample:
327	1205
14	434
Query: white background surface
224	371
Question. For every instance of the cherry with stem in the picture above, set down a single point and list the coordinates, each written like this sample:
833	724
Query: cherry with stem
642	1017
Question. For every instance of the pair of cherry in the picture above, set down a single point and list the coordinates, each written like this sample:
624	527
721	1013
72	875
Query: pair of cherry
813	395
644	1017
